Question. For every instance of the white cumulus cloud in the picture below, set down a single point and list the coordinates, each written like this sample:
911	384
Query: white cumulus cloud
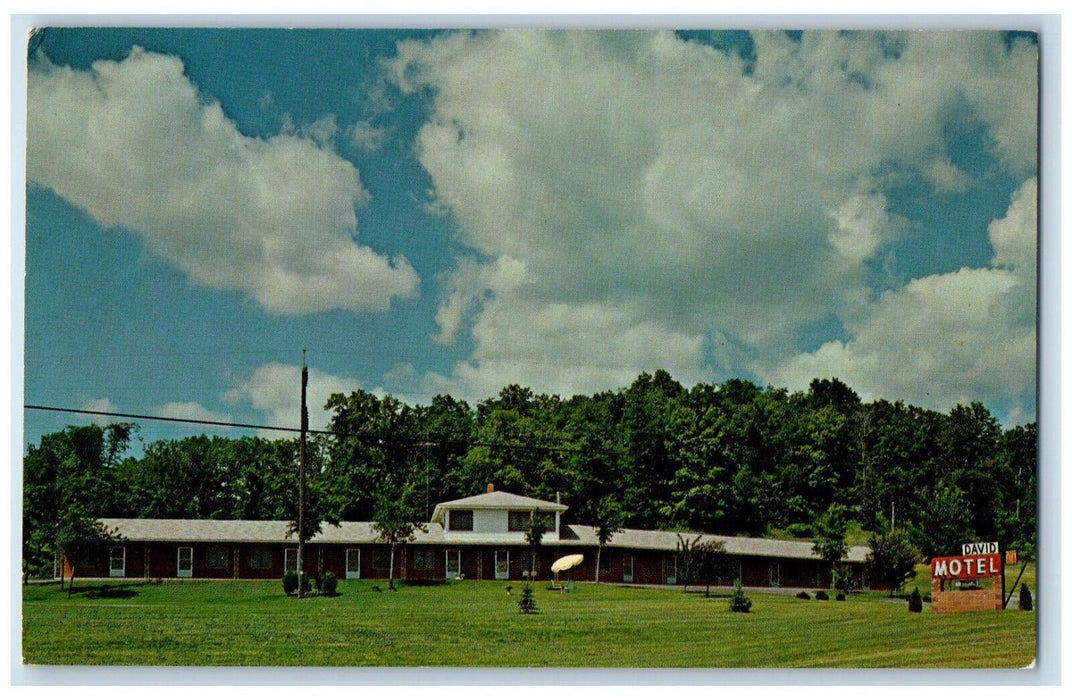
135	145
274	389
944	339
657	192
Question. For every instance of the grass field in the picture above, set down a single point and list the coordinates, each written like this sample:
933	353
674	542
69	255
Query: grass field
471	623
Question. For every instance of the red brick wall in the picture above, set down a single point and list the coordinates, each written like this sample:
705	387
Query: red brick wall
954	601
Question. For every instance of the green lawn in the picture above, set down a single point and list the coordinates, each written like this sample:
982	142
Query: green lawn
240	623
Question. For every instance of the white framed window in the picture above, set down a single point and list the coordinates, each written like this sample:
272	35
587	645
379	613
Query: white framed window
454	563
353	563
502	564
290	559
627	568
184	567
117	562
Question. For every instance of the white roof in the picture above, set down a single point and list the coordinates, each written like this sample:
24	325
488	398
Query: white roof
743	546
274	532
496	500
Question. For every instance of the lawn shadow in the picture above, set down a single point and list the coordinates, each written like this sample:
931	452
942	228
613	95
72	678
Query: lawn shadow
114	591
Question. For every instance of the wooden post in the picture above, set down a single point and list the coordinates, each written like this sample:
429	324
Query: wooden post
301	475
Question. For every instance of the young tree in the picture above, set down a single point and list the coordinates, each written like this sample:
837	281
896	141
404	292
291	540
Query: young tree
830	545
892	559
534	536
712	562
609	519
82	539
688	562
395	520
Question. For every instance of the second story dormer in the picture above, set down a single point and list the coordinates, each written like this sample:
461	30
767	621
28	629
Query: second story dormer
506	516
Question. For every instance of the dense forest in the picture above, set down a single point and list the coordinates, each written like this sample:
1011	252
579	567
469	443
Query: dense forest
729	459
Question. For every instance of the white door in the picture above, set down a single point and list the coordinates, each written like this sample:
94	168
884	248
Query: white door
502	564
454	563
290	560
117	562
353	563
774	575
185	567
627	568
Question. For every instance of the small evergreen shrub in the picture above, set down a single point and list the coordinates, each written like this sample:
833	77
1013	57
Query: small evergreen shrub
915	601
839	596
1025	597
739	602
290	582
821	595
803	595
527	602
327	583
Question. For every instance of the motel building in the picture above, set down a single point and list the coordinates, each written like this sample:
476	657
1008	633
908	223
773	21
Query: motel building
477	538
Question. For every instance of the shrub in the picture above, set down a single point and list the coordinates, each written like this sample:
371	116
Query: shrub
799	530
527	602
821	595
839	596
803	595
327	583
290	582
915	601
740	603
1025	598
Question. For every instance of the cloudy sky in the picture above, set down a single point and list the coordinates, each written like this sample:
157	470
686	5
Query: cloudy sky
451	212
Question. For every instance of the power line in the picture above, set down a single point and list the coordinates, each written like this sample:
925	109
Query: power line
413	443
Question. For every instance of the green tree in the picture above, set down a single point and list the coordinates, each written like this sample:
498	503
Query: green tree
395	519
72	471
608	521
712	562
538	527
830	544
892	559
82	539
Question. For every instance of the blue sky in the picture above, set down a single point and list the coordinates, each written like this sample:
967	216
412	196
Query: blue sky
451	212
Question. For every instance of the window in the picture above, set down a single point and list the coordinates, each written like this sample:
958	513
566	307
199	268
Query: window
381	559
627	568
261	558
422	560
518	520
290	560
216	557
460	520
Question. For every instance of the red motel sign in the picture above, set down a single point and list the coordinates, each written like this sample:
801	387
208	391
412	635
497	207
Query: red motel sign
966	566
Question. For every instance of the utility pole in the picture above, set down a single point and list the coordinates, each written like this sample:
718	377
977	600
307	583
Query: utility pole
301	475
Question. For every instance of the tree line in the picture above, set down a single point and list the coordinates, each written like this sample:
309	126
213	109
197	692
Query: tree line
730	459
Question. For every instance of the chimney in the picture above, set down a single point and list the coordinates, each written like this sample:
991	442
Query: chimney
491	488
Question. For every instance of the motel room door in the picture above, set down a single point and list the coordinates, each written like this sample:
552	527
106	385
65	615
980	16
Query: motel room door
353	563
502	564
185	565
454	563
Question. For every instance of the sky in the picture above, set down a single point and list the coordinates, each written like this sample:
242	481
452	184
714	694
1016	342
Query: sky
450	212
